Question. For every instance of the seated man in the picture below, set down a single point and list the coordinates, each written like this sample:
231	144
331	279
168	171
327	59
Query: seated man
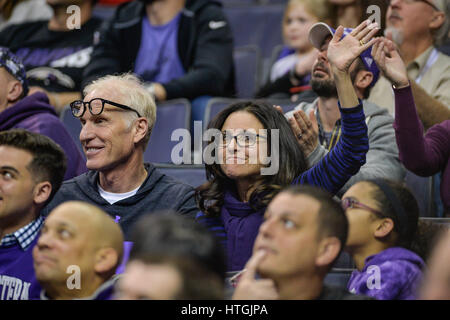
180	48
32	112
173	258
117	117
56	51
382	159
77	253
31	170
418	27
303	234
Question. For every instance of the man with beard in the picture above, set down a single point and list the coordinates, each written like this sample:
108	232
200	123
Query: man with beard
417	27
56	51
318	137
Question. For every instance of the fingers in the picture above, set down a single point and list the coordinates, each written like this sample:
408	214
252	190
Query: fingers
278	108
313	119
338	34
252	264
295	127
360	27
368	38
302	120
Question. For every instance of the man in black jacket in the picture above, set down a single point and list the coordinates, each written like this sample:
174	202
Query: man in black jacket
181	48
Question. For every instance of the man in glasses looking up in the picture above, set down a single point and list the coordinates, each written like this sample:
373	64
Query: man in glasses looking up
117	116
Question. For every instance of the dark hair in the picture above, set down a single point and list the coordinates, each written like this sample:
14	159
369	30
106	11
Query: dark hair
165	236
360	67
49	160
332	221
292	161
398	203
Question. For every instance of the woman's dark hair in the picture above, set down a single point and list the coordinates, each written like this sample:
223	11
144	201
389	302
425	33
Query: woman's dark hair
210	196
398	203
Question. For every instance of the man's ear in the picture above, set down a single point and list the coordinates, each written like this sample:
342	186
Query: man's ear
328	251
363	80
14	92
384	227
42	192
106	259
141	129
437	20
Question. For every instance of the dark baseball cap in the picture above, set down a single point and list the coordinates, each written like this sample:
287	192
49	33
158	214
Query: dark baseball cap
14	66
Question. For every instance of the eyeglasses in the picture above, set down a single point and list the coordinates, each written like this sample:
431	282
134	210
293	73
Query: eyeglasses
412	1
95	106
353	203
243	139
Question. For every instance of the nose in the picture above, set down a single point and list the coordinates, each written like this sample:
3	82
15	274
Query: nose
86	133
44	240
395	3
322	55
267	228
232	146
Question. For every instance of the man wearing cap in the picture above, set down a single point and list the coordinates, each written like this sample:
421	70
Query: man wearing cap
56	51
32	112
319	138
417	27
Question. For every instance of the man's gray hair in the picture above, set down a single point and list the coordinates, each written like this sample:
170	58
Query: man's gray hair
134	95
441	34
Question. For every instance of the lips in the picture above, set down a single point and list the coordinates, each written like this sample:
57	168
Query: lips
43	259
92	150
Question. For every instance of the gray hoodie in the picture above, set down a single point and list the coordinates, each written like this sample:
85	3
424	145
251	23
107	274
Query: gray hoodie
382	158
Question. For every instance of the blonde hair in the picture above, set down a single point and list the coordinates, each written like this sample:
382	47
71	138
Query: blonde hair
320	9
131	88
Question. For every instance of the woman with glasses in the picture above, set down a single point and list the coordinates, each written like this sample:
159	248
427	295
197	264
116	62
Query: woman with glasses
234	199
383	224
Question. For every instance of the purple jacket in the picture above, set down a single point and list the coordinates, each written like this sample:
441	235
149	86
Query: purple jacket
35	114
423	155
392	274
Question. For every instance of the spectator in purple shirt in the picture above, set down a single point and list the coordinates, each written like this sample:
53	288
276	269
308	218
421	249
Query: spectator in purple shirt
80	238
383	221
33	112
423	155
31	171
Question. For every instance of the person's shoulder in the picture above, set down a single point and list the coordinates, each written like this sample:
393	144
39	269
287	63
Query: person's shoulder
21	31
128	13
164	181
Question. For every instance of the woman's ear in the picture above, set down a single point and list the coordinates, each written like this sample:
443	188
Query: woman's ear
384	228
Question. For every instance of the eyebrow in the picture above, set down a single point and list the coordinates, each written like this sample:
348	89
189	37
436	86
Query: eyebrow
10	169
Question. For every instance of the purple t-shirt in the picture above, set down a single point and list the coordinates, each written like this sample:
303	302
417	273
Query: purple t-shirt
158	59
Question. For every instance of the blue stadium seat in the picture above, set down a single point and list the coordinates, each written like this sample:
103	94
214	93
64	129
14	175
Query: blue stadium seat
422	189
194	175
256	25
170	115
215	105
443	221
247	62
72	125
338	277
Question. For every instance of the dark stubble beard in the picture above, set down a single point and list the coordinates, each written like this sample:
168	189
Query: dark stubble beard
324	88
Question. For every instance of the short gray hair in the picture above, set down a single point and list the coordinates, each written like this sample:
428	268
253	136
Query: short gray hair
134	93
440	35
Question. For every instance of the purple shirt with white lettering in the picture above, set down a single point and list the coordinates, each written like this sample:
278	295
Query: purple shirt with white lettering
17	277
157	59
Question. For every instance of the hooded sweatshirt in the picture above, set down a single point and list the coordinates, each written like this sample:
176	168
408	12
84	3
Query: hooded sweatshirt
392	274
158	192
35	114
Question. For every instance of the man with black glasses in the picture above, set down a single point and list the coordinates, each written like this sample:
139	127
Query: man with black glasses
117	117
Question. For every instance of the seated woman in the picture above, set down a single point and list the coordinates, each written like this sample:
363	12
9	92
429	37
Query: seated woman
234	199
291	73
423	155
383	221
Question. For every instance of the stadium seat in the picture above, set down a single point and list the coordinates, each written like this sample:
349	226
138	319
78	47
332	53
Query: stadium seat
443	221
215	105
256	25
422	189
194	175
338	277
247	70
170	115
73	126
